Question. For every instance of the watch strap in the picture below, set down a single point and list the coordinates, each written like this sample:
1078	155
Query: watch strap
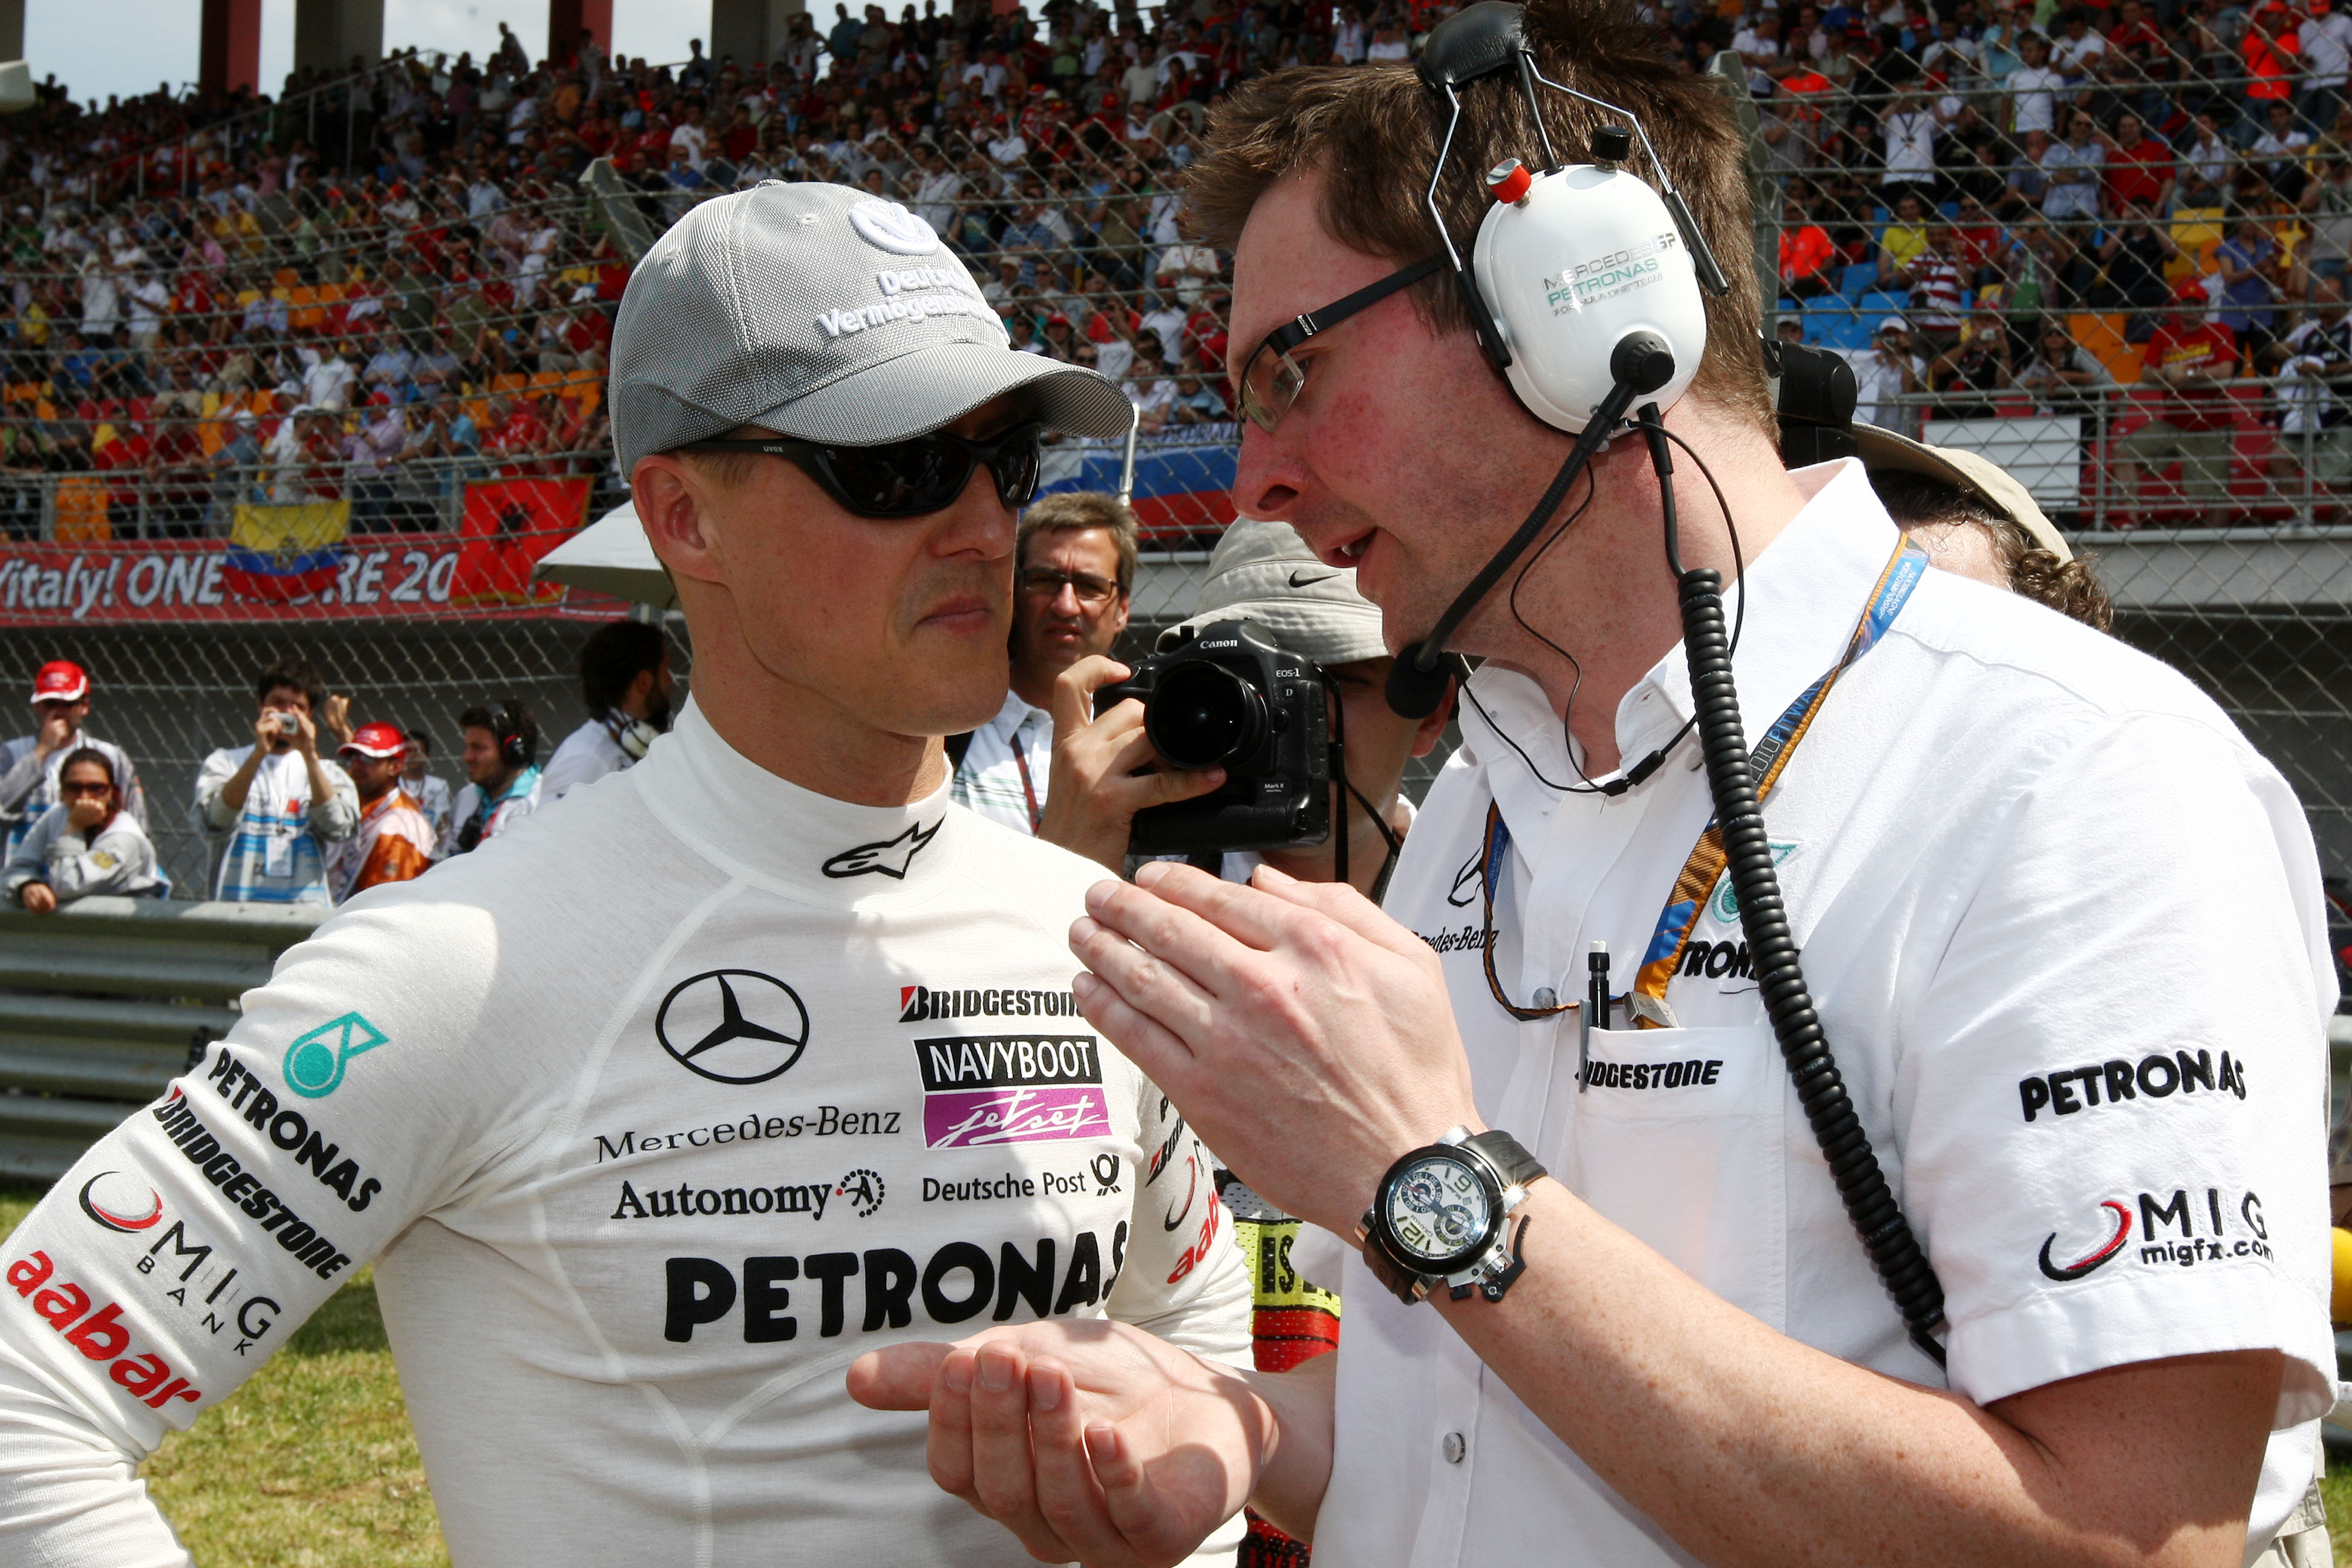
1404	1283
1509	1156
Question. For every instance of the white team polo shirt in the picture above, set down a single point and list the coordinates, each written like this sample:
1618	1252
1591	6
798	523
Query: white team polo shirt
2064	927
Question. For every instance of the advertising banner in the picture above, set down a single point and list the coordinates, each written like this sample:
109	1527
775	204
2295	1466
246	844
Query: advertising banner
301	563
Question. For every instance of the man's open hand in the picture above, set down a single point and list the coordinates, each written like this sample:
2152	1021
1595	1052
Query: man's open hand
1091	1440
1095	790
1305	1034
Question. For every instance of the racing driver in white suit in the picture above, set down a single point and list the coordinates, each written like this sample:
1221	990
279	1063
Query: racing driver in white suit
657	1112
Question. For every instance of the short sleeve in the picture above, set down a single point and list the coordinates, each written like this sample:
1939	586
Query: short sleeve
2114	1085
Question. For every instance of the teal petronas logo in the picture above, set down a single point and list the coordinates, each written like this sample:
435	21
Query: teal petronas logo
314	1064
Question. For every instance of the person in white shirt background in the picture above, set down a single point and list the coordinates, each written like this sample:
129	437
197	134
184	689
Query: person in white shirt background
428	789
1074	568
502	776
277	801
1695	1361
2034	87
1884	372
625	680
2323	42
29	765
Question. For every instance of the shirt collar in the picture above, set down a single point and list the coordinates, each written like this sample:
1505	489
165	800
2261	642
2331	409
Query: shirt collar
751	824
1017	712
1804	595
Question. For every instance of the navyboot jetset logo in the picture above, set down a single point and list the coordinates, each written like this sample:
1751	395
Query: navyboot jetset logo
981	1089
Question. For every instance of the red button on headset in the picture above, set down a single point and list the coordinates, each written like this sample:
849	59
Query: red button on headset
1509	180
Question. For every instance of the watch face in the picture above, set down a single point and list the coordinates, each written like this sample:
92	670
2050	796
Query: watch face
1438	1209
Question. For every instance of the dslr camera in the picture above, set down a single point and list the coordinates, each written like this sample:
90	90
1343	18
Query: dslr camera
1226	697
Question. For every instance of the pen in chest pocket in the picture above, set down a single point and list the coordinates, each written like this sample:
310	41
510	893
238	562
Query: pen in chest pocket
1595	1012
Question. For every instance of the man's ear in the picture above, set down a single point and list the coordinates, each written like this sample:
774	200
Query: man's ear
671	501
1426	733
1118	616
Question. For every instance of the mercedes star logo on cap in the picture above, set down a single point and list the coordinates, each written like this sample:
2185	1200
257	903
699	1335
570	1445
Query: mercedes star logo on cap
733	1026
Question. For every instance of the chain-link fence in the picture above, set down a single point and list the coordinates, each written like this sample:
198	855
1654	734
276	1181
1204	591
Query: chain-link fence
330	372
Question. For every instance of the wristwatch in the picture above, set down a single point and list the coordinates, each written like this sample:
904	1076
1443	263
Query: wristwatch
1442	1215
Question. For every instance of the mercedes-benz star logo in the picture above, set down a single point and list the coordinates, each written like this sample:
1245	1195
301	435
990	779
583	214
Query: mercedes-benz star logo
733	1026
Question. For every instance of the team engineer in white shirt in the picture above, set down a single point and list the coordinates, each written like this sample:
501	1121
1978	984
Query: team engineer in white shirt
2061	923
655	1110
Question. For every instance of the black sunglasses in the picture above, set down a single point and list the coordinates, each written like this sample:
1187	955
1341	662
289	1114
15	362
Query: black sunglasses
911	477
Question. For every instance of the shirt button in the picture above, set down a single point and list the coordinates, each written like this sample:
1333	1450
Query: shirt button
1454	1447
1545	996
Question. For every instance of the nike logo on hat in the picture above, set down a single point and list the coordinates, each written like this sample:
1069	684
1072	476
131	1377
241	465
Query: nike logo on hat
1298	580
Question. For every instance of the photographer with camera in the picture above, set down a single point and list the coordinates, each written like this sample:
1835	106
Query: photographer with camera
1264	573
278	801
1073	571
1620	1296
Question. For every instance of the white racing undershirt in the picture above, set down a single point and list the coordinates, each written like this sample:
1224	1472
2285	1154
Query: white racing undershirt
655	1112
2027	867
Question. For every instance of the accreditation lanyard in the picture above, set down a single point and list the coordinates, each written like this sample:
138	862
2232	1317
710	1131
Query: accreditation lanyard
1647	999
1707	857
1028	790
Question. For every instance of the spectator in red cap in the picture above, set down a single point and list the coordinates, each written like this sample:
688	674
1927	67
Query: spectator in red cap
393	841
87	843
29	765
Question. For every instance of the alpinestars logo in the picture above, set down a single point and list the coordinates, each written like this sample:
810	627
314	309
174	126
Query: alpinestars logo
120	1206
2098	1256
890	858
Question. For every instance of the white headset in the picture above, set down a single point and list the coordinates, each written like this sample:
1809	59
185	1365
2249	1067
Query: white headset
1570	263
1584	286
634	736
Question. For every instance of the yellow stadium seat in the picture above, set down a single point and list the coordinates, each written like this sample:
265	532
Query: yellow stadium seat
2197	232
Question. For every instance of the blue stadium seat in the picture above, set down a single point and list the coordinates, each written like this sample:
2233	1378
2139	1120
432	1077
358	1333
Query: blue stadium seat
1858	278
1834	324
1883	302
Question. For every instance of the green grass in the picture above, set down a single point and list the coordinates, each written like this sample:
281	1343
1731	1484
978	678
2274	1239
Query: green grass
311	1464
2336	1487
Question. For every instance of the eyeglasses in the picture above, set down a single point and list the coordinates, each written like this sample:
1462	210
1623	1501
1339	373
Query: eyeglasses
1089	588
1271	380
82	787
912	477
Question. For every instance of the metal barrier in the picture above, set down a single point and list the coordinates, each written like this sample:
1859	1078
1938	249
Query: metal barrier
102	1004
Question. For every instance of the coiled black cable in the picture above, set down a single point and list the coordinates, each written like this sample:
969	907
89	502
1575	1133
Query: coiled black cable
1894	1253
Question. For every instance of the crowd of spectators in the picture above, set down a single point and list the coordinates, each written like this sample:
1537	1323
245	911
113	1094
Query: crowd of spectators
313	805
388	280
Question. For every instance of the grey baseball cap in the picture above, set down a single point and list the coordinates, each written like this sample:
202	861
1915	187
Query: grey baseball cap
820	313
1263	572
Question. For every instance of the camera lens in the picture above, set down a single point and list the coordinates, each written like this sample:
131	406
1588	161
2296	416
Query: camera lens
1202	715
